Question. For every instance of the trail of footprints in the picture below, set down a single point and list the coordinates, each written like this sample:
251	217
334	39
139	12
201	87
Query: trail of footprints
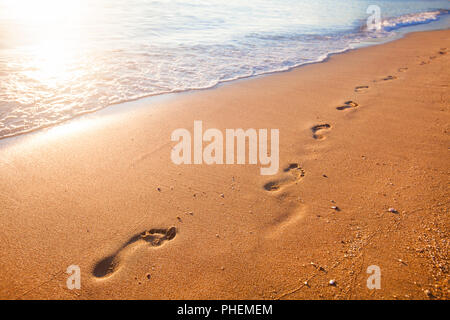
153	237
441	52
319	131
293	173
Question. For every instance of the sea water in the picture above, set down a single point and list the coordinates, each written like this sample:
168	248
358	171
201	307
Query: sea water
63	58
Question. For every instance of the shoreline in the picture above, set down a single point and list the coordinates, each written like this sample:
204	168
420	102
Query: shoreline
147	98
77	194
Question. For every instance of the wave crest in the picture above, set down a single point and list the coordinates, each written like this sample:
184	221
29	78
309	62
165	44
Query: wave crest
390	24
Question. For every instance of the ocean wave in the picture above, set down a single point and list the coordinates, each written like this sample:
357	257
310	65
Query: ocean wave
406	20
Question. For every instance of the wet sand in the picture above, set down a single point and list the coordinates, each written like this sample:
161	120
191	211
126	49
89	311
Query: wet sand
364	132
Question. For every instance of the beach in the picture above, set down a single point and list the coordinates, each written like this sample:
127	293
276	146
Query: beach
363	181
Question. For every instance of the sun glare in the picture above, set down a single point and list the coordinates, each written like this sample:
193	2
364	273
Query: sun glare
42	11
49	31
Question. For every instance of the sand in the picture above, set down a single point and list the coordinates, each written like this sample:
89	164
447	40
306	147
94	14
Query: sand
102	193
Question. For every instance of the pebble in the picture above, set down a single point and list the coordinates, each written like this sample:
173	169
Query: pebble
159	189
428	293
392	210
222	195
148	275
332	282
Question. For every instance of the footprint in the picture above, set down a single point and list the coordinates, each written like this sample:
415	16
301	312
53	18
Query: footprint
295	174
154	237
361	88
388	78
441	52
281	224
319	129
348	104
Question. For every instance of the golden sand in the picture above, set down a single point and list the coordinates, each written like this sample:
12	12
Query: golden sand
366	131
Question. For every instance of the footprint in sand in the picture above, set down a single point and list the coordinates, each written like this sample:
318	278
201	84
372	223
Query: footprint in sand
388	78
294	173
348	105
361	88
319	130
153	237
282	223
441	52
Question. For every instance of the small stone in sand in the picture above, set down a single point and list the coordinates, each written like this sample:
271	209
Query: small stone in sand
148	275
428	293
332	282
159	189
392	210
222	195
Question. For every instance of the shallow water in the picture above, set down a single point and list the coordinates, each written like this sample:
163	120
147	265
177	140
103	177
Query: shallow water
62	58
